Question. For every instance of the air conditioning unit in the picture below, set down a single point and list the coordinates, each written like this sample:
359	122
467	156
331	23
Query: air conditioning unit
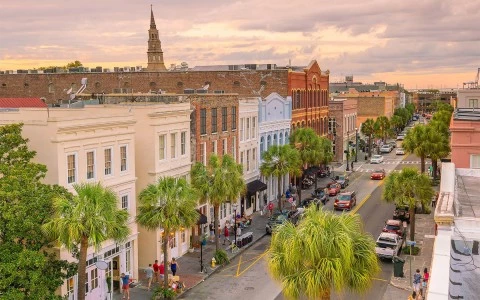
189	91
201	91
219	92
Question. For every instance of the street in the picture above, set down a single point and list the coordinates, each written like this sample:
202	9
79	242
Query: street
247	277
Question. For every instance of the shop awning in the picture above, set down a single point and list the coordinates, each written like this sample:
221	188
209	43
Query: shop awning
202	219
256	186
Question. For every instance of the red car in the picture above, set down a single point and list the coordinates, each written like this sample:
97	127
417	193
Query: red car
345	200
333	188
394	226
378	174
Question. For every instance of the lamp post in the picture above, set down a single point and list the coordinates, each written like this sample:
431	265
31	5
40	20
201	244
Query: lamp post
347	151
203	242
356	144
235	205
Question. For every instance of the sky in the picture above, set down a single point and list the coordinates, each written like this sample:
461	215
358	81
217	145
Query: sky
419	43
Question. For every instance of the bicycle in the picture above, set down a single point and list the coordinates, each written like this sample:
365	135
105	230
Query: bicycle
234	248
203	268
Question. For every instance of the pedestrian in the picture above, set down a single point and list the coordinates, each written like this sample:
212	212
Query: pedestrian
425	278
173	266
219	231
161	270
155	271
226	235
239	231
270	208
417	279
149	272
125	286
413	296
351	165
212	233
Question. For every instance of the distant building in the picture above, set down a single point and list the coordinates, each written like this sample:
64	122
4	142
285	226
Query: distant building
348	83
342	121
425	100
154	53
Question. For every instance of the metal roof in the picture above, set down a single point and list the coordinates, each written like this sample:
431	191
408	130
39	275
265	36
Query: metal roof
21	102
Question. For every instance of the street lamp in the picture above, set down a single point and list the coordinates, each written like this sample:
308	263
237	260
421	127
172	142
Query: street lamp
235	205
356	144
347	151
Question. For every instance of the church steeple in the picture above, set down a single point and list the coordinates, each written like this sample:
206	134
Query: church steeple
154	53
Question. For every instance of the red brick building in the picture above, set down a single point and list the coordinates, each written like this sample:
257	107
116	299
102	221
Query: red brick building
309	91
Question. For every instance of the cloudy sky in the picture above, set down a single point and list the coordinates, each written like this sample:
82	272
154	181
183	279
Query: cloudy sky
420	43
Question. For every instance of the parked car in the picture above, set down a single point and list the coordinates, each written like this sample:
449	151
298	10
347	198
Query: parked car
388	245
308	201
378	174
345	200
394	226
321	195
376	159
324	172
392	144
343	180
385	149
402	213
276	219
400	151
333	188
401	137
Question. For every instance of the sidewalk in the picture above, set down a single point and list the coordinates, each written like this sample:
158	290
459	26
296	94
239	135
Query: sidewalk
189	263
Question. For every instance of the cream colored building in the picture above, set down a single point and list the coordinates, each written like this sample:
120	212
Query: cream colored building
80	145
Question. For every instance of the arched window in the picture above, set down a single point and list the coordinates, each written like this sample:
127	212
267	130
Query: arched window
297	100
269	141
275	139
280	139
286	138
262	145
293	127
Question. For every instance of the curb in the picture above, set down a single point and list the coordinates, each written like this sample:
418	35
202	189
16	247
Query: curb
221	267
399	287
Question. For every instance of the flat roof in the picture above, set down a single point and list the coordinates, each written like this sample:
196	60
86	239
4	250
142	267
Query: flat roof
467	202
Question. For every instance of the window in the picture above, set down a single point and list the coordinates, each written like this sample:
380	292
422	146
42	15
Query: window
254	129
234	117
86	282
214	120
241	129
262	145
234	150
475	161
203	151
161	147
94	278
473	103
269	141
225	149
183	236
90	165
51	88
224	119
275	139
173	145
125	202
247	130
108	161
71	168
254	158
203	121
128	261
173	241
123	158
183	143
70	285
242	158
286	138
248	160
225	209
215	147
280	139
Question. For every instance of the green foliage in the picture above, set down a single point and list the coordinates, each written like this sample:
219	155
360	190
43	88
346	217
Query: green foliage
414	250
307	142
324	252
368	129
29	268
73	64
163	293
382	127
221	257
416	141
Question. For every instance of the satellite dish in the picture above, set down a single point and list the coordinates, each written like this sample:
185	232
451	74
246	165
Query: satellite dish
101	265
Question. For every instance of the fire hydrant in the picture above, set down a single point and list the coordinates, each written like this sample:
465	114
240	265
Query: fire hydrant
213	262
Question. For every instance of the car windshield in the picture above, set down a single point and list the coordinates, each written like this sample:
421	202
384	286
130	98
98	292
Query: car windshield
343	197
385	246
378	171
331	185
400	149
392	227
376	156
341	177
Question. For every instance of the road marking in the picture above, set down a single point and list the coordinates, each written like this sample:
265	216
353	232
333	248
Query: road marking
251	265
380	279
239	264
360	204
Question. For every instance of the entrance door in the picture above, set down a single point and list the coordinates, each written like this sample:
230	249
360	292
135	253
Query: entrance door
173	241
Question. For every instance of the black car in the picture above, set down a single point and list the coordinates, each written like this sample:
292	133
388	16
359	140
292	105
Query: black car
324	172
320	194
343	180
275	220
308	201
401	213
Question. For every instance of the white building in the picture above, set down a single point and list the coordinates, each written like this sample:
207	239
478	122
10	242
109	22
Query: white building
248	154
77	146
275	116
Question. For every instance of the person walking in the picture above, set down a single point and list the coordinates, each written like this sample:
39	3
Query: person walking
425	278
155	271
125	286
417	279
212	233
161	271
270	208
149	272
226	235
174	266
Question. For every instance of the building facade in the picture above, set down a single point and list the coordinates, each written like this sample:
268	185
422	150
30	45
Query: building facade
88	147
342	125
274	118
309	89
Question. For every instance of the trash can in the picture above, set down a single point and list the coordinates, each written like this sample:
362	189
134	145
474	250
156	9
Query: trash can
398	266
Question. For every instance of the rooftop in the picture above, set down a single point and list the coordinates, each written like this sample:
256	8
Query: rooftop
468	114
21	102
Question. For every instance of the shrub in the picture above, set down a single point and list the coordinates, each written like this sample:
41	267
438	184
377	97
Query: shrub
163	293
221	257
415	250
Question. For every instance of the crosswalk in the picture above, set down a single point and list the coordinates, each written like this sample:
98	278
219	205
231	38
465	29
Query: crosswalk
403	162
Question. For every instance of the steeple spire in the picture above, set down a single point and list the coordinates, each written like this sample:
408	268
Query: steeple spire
152	19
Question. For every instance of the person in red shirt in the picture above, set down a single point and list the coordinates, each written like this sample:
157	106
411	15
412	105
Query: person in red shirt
161	270
155	271
226	234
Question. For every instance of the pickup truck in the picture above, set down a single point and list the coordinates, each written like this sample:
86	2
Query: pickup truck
388	245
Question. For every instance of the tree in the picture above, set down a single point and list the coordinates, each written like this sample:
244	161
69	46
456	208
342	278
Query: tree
408	188
89	218
396	123
416	141
170	203
279	161
219	182
382	127
411	108
324	252
74	64
29	267
368	129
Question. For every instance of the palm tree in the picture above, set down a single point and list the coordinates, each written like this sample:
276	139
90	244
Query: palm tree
324	252
279	161
87	219
170	203
368	129
382	127
416	141
408	188
219	182
396	123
